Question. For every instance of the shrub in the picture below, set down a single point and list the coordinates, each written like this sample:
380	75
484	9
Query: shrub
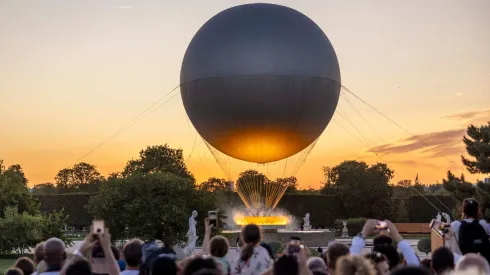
424	245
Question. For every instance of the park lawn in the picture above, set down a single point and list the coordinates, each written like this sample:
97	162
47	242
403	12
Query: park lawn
6	264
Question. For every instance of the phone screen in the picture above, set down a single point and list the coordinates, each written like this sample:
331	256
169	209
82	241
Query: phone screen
98	226
213	218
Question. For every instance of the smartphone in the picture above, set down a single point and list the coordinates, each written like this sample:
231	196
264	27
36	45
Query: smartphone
294	245
98	227
213	218
382	225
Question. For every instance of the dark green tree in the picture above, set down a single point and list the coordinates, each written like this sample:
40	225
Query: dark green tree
159	158
14	191
290	182
214	185
150	206
477	144
458	187
364	190
82	177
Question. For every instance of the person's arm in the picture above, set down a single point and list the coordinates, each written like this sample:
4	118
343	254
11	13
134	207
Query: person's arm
359	242
404	246
303	262
207	236
110	260
452	244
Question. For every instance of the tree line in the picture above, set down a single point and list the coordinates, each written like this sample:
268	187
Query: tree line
152	197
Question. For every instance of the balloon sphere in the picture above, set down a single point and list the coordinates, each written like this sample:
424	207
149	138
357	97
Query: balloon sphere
260	82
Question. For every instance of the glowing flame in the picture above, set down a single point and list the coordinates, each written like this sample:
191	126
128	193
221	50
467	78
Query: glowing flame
261	220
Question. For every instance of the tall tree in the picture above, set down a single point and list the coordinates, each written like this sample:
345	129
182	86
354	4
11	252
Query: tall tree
458	187
159	158
477	144
124	202
14	191
404	183
81	177
364	190
214	185
290	182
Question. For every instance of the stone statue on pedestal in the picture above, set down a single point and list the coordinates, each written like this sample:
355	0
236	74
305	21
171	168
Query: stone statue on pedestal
306	222
446	217
345	231
191	235
306	219
438	217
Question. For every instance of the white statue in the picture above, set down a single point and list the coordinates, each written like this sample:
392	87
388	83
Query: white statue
446	217
438	217
345	231
191	234
306	219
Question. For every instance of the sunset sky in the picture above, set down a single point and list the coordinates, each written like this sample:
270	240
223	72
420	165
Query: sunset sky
74	72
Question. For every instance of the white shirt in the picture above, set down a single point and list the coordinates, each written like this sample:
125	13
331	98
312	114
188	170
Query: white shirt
130	272
457	224
256	265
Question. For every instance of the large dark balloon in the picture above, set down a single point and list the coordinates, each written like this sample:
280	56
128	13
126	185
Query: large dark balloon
260	82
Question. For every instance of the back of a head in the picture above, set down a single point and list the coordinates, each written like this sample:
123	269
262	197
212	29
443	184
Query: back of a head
26	265
471	208
316	263
334	252
354	265
38	253
164	266
473	261
218	246
410	270
13	271
54	252
442	260
132	253
286	265
382	239
79	267
199	263
250	237
427	264
390	252
207	271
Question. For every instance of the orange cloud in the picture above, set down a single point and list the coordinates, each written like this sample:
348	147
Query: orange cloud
475	116
436	143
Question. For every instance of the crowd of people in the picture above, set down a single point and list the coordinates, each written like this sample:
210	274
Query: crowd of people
467	252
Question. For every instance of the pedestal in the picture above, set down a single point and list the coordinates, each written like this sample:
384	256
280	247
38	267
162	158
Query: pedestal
436	239
307	228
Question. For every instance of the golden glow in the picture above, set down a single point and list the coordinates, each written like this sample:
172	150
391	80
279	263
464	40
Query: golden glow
261	220
261	146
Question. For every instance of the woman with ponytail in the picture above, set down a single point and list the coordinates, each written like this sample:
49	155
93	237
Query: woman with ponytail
254	259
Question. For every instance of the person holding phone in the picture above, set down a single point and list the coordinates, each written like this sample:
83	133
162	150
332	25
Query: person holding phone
371	227
102	258
217	246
